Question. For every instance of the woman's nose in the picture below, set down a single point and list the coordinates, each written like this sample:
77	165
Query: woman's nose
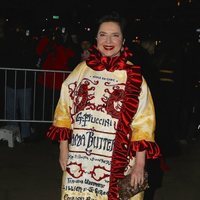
108	39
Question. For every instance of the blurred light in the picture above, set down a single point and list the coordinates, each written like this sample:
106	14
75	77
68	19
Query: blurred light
56	17
198	30
136	40
178	2
137	20
87	29
63	29
157	42
27	32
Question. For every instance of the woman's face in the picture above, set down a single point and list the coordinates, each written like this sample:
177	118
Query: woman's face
109	39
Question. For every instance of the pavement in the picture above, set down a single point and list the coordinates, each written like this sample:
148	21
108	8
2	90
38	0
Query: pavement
182	181
31	172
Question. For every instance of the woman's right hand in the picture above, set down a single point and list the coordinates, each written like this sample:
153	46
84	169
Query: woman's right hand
63	158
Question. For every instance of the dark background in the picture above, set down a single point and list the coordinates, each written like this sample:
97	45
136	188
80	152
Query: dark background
156	18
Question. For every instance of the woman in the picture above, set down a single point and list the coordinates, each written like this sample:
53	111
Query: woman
104	120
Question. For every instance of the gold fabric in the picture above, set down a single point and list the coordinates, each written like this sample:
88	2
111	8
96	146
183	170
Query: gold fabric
62	117
143	124
138	196
96	157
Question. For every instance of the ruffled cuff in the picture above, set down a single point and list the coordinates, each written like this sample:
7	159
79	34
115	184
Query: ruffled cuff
152	149
59	133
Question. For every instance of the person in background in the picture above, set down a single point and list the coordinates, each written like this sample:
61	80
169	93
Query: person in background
75	45
19	83
104	119
55	52
85	45
168	61
143	51
3	60
2	39
189	114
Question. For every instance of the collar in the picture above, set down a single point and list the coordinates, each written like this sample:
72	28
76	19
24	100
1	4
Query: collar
98	62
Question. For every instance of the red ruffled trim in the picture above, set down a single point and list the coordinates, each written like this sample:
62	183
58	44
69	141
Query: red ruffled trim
98	62
152	149
57	133
124	133
121	152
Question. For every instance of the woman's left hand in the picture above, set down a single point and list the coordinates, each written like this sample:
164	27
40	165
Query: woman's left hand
137	176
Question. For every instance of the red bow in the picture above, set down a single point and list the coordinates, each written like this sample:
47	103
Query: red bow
98	62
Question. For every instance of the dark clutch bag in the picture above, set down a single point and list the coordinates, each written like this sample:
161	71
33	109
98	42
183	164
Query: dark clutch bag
126	191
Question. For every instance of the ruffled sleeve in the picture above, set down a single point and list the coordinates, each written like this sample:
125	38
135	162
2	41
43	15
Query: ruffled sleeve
143	125
57	133
61	127
152	149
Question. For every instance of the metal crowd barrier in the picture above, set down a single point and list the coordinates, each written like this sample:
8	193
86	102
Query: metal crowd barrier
4	76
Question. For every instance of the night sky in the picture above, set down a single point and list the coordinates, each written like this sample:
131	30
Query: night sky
135	7
156	17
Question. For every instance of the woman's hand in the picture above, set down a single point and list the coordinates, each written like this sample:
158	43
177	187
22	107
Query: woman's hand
63	154
137	175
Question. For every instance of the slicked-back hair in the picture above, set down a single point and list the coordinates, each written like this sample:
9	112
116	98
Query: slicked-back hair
113	17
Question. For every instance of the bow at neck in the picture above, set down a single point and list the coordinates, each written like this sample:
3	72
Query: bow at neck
98	62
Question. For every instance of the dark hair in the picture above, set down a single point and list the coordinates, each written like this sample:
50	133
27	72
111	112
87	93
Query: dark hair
114	17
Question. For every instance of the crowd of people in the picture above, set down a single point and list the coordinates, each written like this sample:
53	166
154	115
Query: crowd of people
52	50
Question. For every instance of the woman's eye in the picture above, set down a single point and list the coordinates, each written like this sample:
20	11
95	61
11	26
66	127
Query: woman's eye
101	34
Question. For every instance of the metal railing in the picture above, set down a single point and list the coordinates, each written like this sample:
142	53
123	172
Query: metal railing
28	78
